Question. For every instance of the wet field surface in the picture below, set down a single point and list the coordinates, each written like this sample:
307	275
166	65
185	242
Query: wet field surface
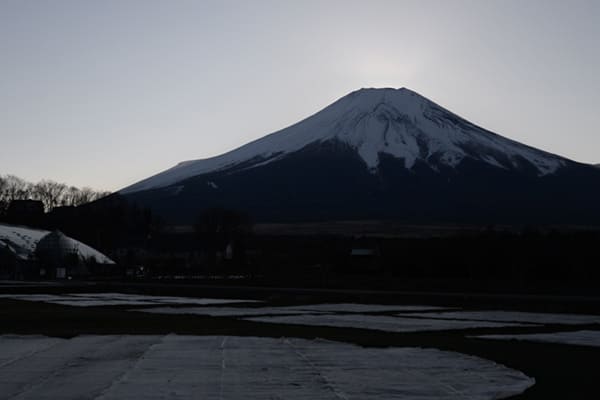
560	370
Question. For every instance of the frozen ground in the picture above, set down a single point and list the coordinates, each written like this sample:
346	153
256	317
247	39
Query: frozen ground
225	311
117	299
355	307
581	338
382	323
292	310
213	367
514	316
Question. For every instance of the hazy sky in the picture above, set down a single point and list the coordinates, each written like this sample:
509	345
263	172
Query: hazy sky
105	93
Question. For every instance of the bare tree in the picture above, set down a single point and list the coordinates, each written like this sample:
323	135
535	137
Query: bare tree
51	194
15	188
3	201
85	195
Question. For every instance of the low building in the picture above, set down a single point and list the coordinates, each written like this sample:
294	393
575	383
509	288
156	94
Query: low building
27	253
25	212
59	256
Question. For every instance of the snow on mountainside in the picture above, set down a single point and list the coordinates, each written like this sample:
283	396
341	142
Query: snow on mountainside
23	241
398	122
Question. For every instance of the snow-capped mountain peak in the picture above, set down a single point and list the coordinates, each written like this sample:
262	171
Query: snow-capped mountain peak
397	122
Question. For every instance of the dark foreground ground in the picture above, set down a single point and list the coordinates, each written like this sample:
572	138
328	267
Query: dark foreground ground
561	371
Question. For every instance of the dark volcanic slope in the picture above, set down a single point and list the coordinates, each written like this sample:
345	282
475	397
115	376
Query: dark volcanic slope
332	183
378	154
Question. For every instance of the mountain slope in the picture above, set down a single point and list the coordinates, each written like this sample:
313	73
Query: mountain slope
400	123
381	153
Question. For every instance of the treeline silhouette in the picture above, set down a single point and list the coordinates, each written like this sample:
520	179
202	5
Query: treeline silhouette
527	259
52	194
222	243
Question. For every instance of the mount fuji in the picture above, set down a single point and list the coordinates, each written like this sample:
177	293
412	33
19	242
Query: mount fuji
380	154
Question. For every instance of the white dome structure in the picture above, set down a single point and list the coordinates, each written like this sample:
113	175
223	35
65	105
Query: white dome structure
56	248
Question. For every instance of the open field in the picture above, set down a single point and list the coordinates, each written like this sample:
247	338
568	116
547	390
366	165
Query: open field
559	370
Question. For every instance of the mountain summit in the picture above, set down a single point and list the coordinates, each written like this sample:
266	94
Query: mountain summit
396	122
380	153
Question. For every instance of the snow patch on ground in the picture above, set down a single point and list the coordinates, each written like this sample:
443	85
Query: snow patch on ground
117	299
225	311
513	316
230	367
162	299
292	310
580	338
382	323
358	308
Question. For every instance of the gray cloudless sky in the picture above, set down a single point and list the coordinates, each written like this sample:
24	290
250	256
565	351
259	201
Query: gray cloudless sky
105	93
